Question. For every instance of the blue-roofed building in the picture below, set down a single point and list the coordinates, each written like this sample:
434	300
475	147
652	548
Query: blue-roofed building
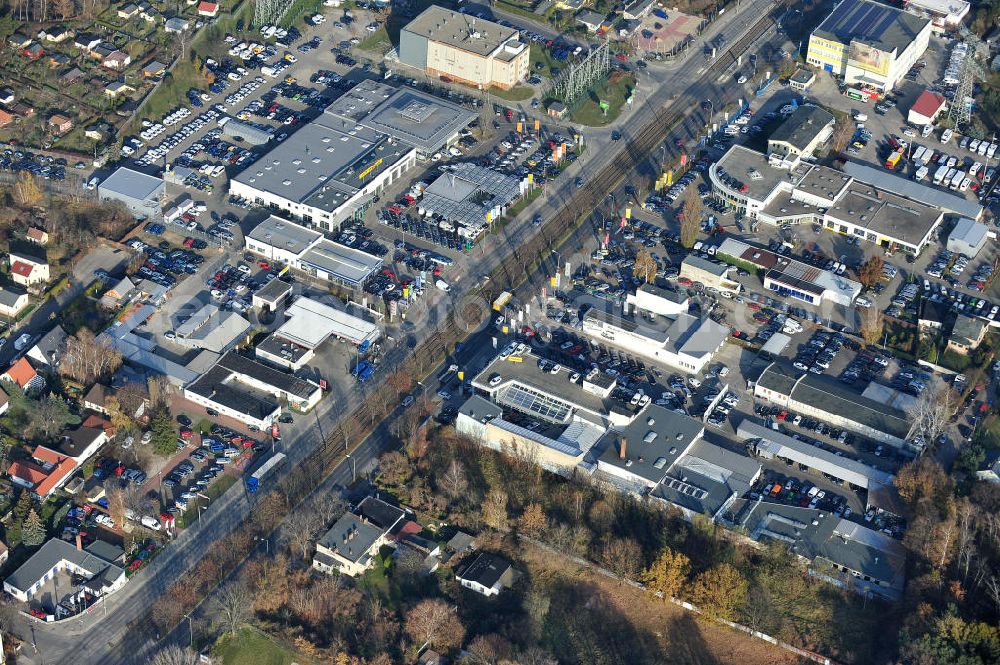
869	44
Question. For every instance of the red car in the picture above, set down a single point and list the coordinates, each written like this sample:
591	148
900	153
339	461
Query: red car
621	56
188	242
263	265
684	281
38	613
186	433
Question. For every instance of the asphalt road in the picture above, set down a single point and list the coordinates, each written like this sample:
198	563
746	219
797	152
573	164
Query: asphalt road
99	638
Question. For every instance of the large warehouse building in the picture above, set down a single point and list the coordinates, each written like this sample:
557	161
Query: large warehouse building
141	193
869	44
332	169
452	45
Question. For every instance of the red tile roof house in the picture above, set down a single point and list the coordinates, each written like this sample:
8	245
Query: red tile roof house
46	473
34	51
926	109
28	270
24	375
206	8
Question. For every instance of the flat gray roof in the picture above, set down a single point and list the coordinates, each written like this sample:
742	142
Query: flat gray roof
886	214
968	231
458	30
319	164
696	337
910	189
707	478
839	466
887	28
311	322
420	119
273	291
746	165
714	267
285	235
131	183
345	263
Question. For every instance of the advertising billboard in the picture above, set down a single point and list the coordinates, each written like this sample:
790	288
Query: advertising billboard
869	58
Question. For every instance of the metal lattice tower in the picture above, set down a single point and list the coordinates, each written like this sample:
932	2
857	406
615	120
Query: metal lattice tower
584	75
269	12
960	110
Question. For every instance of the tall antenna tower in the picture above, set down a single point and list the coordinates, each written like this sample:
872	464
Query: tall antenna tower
584	75
960	110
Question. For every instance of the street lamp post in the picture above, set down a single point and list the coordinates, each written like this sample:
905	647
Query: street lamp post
354	468
190	631
711	105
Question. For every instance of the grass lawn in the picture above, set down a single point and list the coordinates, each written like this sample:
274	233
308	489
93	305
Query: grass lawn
252	647
517	94
377	42
614	93
214	491
540	55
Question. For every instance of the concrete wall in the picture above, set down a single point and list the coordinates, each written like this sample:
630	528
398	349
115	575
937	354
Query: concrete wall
412	49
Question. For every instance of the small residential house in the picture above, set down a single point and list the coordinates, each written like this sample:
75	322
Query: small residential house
989	470
486	574
589	19
24	375
57	34
118	294
5	118
13	299
7	95
96	400
147	13
22	109
86	41
37	235
99	131
18	40
117	61
351	545
28	264
176	24
556	110
4	553
33	51
103	50
47	471
116	88
128	11
48	351
60	124
83	442
932	316
966	335
154	70
207	8
57	60
71	76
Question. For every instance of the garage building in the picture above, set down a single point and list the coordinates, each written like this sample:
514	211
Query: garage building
926	109
246	132
968	237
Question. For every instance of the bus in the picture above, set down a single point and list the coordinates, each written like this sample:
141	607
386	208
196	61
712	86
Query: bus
502	300
275	462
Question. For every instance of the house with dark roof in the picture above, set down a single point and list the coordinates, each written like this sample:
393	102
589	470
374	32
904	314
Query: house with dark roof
102	577
641	453
487	574
13	299
933	316
807	128
350	546
48	351
967	334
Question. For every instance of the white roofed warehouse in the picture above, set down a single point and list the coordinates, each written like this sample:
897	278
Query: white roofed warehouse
310	323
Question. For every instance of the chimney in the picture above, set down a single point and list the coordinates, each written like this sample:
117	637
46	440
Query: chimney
79	542
622	447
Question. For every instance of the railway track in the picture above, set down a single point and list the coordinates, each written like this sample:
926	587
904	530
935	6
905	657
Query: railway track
642	143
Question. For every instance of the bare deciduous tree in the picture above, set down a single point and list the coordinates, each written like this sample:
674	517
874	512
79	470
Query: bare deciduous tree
453	482
175	655
645	266
495	510
300	531
871	325
434	622
233	606
931	412
88	360
691	222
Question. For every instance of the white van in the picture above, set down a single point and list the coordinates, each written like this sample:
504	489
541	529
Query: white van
442	285
731	130
860	117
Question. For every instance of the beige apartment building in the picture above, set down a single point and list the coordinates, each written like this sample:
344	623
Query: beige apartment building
464	49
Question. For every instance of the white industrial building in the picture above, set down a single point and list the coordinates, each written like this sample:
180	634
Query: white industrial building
944	14
891	212
212	329
309	324
657	300
331	169
141	193
684	342
310	251
251	392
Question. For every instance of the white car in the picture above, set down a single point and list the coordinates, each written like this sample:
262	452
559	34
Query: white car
863	302
741	80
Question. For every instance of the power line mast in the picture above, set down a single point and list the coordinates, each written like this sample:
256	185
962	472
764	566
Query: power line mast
584	75
269	12
965	55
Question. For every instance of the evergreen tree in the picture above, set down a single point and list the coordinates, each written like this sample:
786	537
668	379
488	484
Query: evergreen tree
33	531
164	436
